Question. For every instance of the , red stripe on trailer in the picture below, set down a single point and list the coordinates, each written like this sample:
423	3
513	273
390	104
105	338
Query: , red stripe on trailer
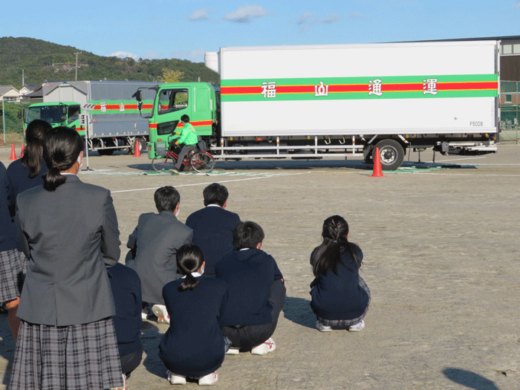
194	124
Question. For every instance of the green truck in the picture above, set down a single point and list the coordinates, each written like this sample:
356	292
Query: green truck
109	108
334	101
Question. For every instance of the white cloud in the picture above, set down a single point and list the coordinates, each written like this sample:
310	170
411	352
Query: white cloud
355	15
308	19
201	14
517	5
246	13
192	55
124	54
331	19
305	16
151	55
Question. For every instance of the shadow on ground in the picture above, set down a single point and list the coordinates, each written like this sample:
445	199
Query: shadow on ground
151	337
469	379
298	310
7	346
309	164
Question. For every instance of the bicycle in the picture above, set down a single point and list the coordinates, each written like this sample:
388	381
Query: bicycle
197	159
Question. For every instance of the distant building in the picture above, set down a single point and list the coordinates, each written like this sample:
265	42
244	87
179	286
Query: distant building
28	88
9	93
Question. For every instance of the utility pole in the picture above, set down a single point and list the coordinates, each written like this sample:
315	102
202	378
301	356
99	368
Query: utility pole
77	54
23	78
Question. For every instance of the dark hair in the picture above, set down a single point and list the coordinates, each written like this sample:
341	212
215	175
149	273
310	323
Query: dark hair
185	118
166	198
35	138
327	256
247	235
189	260
215	194
62	148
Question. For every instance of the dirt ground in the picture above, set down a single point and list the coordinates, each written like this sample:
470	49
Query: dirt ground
442	260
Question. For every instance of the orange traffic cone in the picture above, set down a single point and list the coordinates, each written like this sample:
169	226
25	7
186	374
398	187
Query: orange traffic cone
22	151
137	152
378	172
13	153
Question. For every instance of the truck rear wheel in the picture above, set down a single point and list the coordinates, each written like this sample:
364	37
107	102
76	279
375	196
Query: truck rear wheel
391	154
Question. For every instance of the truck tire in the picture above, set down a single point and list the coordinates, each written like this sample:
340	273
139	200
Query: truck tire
391	154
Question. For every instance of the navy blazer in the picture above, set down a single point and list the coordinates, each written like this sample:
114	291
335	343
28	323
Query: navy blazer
340	297
193	346
7	235
213	229
249	275
126	289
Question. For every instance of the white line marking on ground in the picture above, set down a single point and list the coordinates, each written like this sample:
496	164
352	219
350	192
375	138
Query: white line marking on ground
462	174
212	181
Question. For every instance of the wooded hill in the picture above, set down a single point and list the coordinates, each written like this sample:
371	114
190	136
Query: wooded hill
43	60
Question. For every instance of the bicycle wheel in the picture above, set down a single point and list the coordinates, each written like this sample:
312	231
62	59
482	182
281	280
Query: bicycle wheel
202	162
161	164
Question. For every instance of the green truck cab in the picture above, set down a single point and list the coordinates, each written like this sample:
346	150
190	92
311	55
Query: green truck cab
200	101
57	114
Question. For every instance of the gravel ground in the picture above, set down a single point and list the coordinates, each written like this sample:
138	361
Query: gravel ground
441	245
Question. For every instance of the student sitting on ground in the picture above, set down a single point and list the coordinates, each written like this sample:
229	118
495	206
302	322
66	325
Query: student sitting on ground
256	292
340	297
155	241
193	346
126	290
213	226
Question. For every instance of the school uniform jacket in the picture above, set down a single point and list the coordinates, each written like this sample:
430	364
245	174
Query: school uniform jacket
70	236
193	346
249	275
340	297
157	238
213	232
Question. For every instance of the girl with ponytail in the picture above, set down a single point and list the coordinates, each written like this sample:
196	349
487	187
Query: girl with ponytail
193	346
340	297
28	171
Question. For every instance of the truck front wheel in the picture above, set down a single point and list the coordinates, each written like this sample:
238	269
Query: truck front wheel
391	154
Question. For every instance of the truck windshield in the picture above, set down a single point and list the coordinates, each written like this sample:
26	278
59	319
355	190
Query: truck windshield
51	114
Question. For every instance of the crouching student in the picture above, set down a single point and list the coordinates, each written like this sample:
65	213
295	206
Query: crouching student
340	297
256	292
126	290
155	241
193	346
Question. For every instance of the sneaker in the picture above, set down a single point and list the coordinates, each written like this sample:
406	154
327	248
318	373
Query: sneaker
124	384
175	379
174	171
208	380
233	351
146	313
323	328
358	327
162	314
264	348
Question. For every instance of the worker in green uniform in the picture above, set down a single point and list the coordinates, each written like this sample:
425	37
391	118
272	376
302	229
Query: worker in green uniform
186	142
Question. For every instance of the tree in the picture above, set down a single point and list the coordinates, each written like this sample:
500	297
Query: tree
170	76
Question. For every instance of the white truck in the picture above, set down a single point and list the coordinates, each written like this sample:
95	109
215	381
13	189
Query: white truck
341	100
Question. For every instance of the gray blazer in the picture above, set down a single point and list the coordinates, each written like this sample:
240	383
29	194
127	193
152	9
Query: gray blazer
70	236
157	238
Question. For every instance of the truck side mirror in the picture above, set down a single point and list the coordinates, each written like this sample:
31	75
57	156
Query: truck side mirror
139	95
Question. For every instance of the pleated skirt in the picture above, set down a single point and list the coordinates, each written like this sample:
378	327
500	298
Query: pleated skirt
75	357
13	266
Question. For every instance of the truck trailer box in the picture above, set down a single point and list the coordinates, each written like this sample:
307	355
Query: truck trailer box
373	89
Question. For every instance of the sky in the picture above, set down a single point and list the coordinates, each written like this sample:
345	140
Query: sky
187	29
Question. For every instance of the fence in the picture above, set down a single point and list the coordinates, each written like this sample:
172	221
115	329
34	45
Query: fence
9	117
